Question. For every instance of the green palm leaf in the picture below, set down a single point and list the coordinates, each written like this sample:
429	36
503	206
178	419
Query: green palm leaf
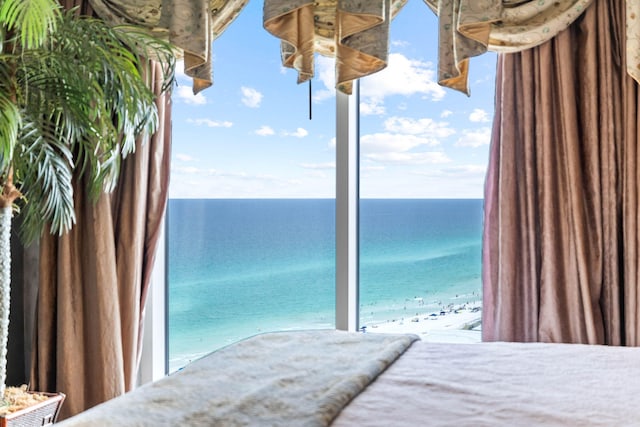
10	122
85	99
32	20
45	162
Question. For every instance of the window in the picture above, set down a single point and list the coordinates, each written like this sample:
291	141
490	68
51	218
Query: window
423	157
251	211
251	226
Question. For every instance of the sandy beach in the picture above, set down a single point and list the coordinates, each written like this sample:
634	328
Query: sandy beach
457	324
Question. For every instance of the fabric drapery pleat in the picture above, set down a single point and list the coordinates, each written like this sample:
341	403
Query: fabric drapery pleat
190	25
356	33
469	28
560	246
94	279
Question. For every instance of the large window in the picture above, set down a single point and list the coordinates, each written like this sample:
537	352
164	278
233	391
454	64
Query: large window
251	219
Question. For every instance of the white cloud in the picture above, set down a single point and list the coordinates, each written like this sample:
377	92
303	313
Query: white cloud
191	182
265	131
401	148
372	107
251	97
372	168
399	43
403	76
186	170
478	115
474	138
465	170
185	94
459	172
210	123
326	165
411	158
424	126
326	75
386	142
179	73
184	157
298	133
446	113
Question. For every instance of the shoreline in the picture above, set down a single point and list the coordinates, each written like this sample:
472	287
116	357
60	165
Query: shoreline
459	323
455	323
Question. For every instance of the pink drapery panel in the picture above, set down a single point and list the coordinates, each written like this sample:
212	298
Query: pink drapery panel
561	233
94	280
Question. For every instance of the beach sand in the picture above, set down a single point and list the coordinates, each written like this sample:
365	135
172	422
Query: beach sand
459	324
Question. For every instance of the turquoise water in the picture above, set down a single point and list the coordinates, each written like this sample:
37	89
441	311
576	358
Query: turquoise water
243	266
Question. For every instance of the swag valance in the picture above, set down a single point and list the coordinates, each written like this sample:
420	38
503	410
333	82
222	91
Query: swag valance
356	33
191	25
469	28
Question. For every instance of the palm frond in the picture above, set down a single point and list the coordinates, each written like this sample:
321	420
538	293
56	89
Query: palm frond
44	166
10	121
148	46
32	20
84	100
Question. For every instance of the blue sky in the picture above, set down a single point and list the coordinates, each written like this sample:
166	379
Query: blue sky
249	136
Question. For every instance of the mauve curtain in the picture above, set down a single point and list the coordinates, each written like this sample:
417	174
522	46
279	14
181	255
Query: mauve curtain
93	280
560	255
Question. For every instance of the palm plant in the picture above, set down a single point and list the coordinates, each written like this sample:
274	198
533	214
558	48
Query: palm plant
72	101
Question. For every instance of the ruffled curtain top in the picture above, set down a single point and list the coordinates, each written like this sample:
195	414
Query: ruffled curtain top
190	25
355	32
469	28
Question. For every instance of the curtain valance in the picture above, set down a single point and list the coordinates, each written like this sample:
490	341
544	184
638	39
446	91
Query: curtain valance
470	28
355	32
191	25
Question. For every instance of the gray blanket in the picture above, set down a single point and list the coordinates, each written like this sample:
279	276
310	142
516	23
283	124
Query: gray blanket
299	378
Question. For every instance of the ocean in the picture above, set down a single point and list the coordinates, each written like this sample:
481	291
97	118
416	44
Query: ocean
238	267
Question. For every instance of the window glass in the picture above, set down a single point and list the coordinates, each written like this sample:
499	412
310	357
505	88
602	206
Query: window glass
251	227
422	164
250	244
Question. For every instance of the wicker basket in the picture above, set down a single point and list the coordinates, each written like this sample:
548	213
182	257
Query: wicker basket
41	414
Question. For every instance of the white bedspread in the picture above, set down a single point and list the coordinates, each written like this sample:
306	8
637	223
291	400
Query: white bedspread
278	379
500	384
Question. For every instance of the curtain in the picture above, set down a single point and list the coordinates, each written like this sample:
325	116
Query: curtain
190	25
356	33
468	28
561	233
94	279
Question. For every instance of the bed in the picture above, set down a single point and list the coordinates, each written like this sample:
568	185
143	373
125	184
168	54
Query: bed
319	378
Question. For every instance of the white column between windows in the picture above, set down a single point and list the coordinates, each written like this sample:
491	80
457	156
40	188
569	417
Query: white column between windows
154	360
347	203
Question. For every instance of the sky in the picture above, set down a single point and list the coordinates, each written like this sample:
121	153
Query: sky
250	136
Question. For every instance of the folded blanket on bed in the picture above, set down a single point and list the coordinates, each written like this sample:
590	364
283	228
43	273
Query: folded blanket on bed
301	378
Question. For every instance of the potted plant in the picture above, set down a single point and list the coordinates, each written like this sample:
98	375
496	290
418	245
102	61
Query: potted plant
72	100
